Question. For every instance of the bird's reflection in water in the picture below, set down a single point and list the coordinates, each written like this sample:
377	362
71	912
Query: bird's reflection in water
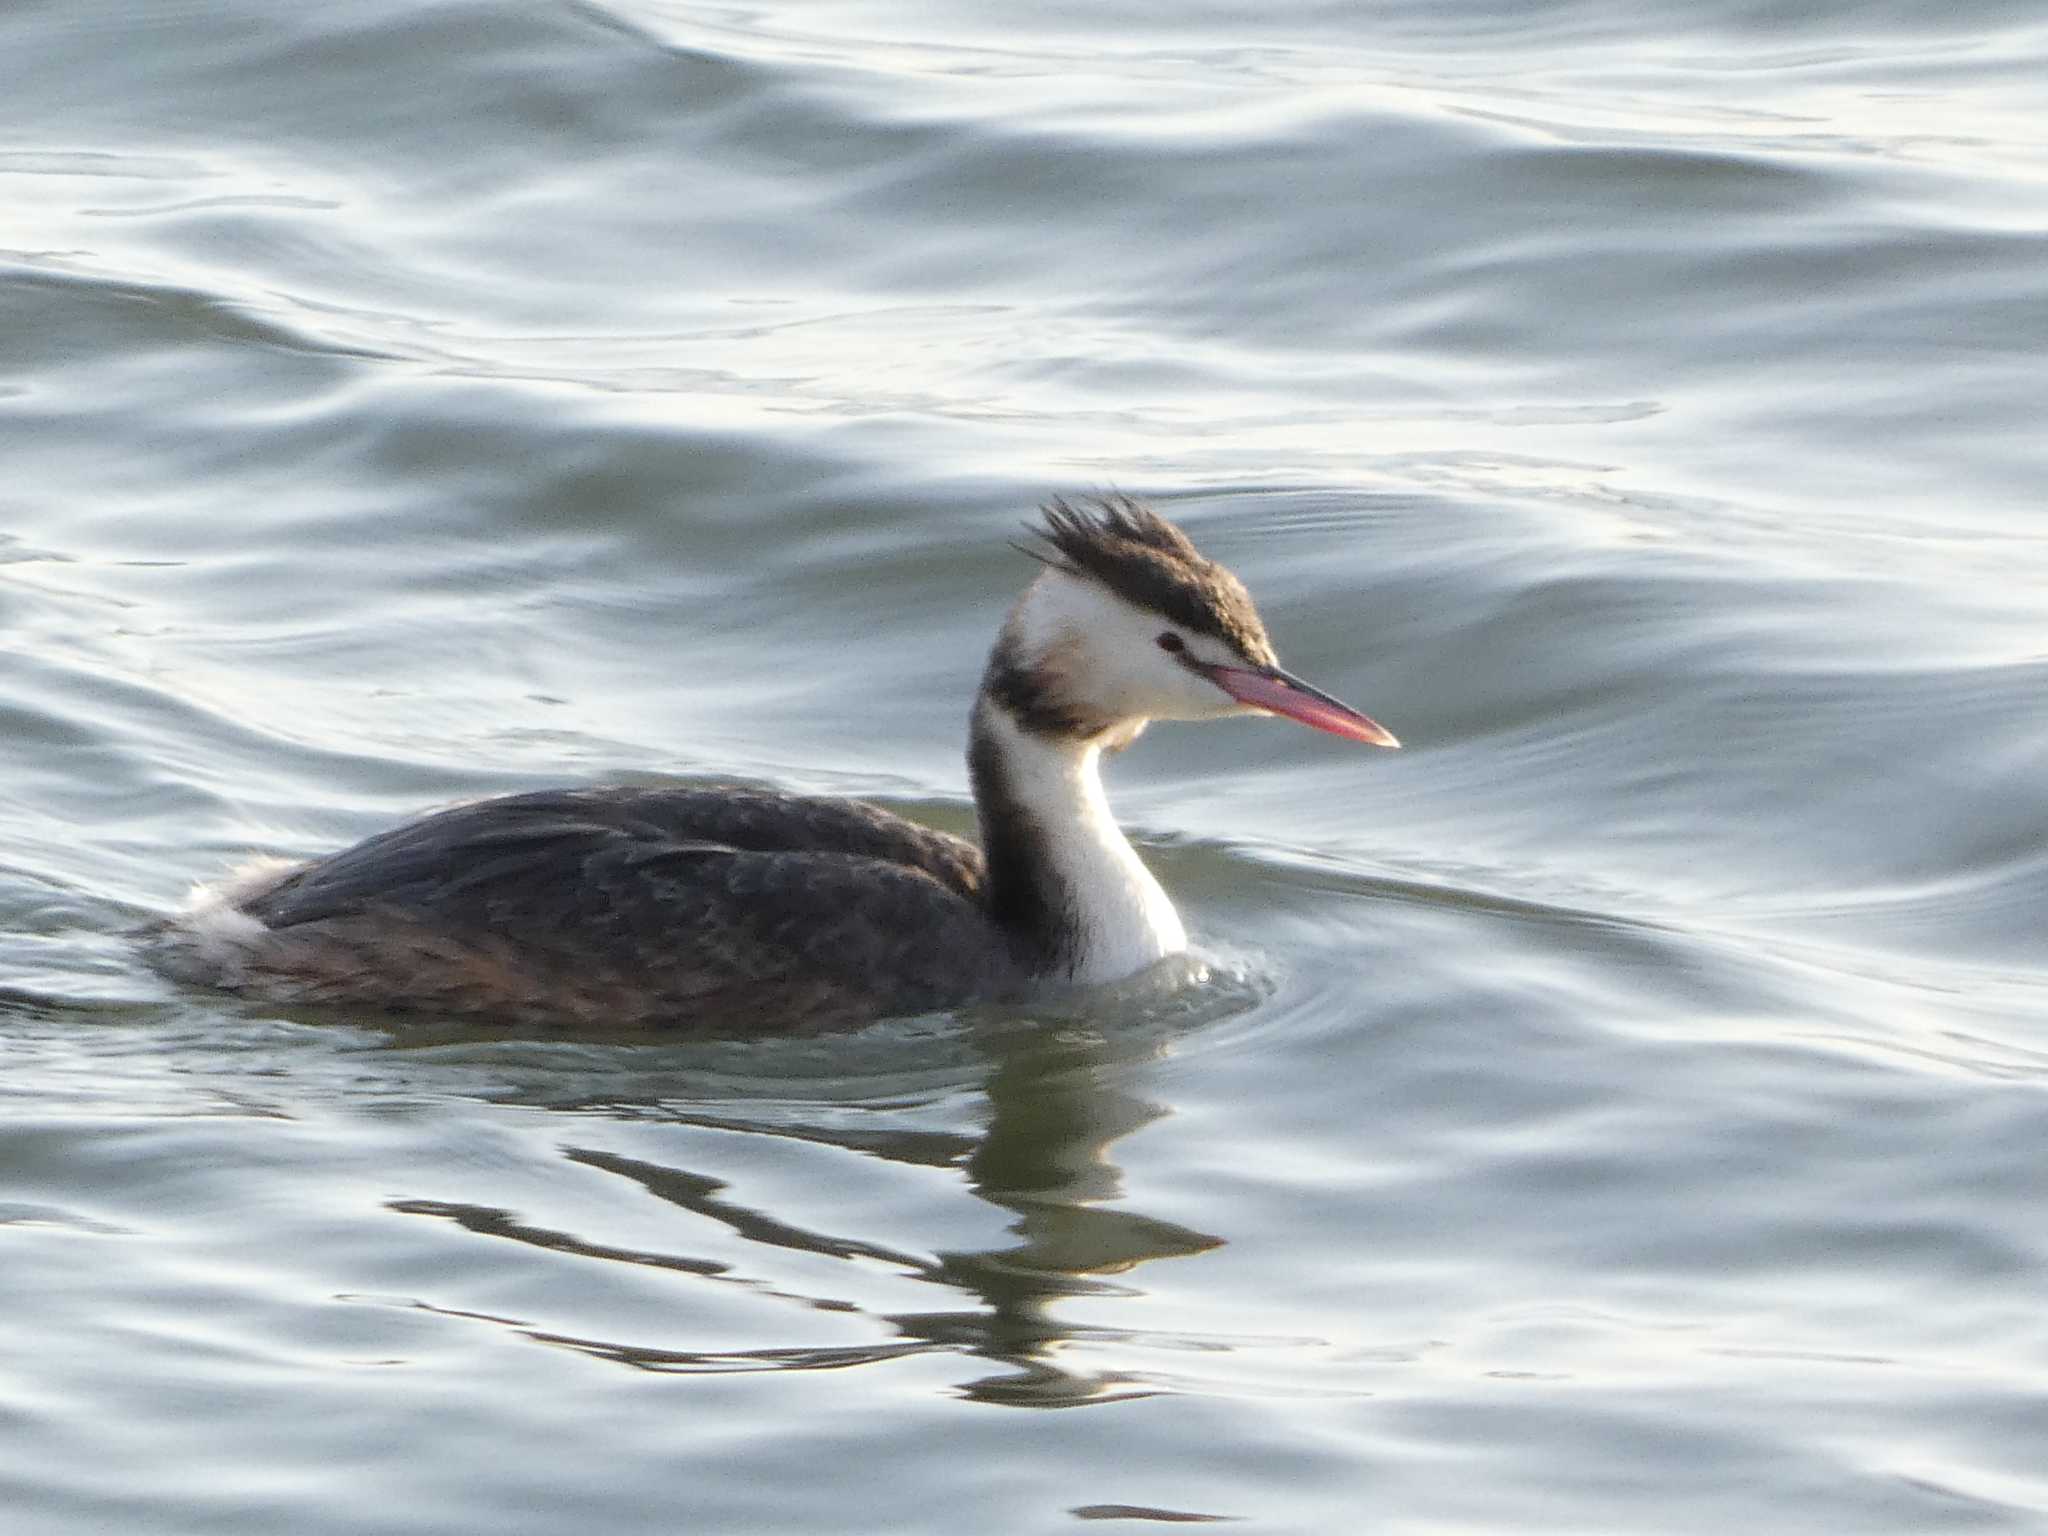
1058	1101
1056	1110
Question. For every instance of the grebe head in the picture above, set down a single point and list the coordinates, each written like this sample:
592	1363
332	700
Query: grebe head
1130	623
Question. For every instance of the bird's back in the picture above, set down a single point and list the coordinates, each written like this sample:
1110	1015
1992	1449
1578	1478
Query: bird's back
724	907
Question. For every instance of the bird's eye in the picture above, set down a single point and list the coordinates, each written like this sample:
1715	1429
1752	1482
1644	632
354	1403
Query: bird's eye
1172	644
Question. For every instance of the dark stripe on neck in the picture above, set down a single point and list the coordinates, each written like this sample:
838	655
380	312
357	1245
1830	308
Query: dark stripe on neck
1031	696
1023	893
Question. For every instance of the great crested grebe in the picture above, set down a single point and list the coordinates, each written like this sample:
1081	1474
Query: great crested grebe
741	909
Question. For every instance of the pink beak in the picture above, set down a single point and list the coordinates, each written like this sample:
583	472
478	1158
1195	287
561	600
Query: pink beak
1280	693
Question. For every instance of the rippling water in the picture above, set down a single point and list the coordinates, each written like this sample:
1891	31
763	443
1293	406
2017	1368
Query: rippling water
1625	1109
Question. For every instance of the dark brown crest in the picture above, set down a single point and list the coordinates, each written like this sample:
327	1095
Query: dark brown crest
1151	564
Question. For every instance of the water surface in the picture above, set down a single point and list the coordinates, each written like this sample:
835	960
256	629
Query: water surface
1623	1109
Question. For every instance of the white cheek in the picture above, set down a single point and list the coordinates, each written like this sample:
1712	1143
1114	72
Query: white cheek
1178	693
1118	665
1192	697
1165	687
1205	701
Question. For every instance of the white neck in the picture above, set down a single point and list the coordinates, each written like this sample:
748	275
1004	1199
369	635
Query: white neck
1043	805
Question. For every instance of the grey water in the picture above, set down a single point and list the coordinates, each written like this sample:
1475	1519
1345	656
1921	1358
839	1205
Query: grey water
1624	1109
